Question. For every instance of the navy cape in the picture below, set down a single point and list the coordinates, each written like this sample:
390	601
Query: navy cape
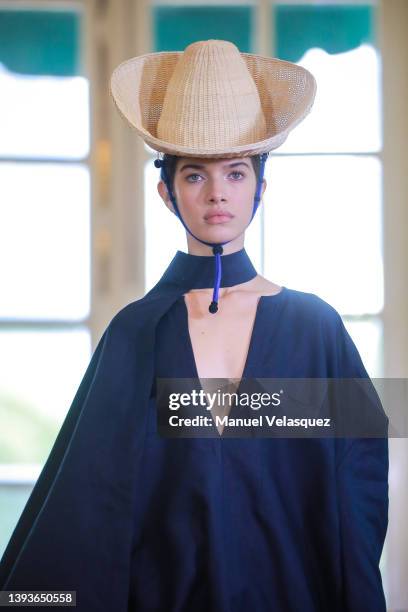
76	530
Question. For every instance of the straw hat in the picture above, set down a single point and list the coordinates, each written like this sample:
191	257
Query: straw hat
211	100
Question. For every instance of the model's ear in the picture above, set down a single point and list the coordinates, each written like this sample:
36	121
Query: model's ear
164	194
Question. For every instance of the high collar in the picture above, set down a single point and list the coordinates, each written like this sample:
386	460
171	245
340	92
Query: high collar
197	271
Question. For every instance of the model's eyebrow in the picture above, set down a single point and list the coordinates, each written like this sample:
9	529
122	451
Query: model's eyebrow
201	166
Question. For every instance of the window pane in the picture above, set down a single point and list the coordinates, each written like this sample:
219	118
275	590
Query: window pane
337	44
44	241
40	374
44	105
175	27
13	498
336	28
323	229
40	41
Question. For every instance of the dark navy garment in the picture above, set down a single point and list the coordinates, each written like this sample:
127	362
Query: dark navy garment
132	521
283	525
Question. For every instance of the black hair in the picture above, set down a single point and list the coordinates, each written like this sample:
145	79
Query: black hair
170	162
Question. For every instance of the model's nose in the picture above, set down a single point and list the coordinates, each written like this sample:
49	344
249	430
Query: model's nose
214	198
216	192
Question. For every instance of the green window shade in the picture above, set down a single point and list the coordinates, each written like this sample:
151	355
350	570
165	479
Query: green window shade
175	27
335	29
40	42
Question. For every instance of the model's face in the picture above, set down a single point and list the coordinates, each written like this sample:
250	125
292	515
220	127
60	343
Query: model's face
215	197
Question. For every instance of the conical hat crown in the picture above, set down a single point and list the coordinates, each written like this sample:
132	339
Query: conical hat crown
211	99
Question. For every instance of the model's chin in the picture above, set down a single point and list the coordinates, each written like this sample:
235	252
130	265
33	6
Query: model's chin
218	232
220	229
219	225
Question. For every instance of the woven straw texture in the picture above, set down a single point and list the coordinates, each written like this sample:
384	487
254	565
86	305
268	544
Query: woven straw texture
211	100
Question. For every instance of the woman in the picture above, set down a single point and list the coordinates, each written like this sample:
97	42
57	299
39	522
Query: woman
219	517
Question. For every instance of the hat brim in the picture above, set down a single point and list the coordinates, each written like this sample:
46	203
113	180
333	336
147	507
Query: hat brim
286	90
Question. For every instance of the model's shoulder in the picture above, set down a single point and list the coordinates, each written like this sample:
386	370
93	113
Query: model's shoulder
312	305
135	313
301	303
305	300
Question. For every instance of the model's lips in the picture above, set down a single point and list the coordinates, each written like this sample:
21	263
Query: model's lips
214	219
218	217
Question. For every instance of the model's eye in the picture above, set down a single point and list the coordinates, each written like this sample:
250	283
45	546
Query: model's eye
237	174
192	178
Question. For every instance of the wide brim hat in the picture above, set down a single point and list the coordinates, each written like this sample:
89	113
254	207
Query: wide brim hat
211	100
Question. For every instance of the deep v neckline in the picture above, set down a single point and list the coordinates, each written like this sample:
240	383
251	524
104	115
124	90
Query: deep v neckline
252	342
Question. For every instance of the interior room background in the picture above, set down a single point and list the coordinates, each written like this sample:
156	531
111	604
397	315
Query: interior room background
83	231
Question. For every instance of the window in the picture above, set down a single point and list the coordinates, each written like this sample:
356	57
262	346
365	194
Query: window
45	273
323	230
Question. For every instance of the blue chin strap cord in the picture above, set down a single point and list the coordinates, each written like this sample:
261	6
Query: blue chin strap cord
216	246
